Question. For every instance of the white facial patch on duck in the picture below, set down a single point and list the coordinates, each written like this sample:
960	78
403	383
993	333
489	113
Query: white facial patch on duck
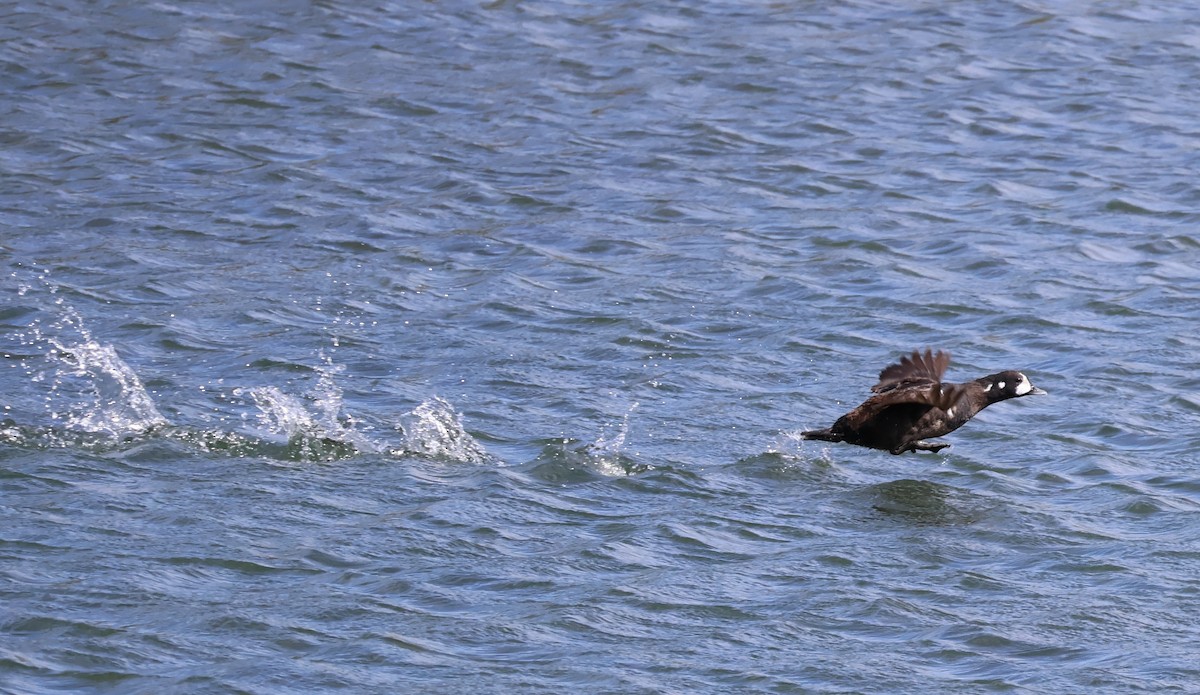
1001	385
987	388
1023	385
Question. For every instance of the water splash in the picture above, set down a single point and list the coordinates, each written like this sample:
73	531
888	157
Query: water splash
113	399
606	455
567	461
281	413
90	388
795	448
789	442
315	426
436	430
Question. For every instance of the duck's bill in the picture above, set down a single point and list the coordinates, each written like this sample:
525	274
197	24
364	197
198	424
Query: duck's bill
1036	392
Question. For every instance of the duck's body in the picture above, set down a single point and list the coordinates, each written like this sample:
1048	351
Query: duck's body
911	403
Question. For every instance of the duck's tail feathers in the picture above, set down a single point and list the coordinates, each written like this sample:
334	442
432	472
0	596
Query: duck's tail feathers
824	435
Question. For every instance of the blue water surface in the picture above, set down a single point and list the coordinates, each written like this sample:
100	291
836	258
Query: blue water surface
464	346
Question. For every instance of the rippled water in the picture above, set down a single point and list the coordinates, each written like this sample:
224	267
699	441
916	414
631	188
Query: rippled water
432	347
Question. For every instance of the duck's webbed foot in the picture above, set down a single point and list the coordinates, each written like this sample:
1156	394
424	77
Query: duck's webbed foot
920	445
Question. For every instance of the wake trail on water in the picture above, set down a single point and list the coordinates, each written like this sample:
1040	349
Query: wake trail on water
93	399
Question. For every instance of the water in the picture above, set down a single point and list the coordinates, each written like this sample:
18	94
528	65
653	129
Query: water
463	346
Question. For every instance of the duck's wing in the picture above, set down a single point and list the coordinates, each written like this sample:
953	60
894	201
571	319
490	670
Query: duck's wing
922	396
942	396
917	370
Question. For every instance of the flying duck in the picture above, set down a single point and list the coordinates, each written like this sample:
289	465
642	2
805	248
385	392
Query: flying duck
912	403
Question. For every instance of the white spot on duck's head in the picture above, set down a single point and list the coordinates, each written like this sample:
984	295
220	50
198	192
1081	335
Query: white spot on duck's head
1001	385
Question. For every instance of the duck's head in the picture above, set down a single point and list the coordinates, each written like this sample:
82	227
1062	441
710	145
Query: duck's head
1009	384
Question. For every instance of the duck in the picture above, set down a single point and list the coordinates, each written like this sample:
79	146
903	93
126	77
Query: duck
911	403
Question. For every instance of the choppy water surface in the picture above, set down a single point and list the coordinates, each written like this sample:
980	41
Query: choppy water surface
432	347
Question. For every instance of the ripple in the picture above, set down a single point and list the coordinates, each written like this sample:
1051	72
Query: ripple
325	325
927	502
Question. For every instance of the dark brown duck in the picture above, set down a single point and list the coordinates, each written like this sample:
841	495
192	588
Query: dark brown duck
911	403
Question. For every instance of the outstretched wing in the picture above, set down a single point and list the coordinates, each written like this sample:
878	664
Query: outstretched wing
914	399
917	370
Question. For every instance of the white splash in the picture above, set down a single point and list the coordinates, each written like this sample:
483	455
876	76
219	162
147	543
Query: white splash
109	398
122	405
795	447
281	413
84	384
435	429
605	454
318	415
789	442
